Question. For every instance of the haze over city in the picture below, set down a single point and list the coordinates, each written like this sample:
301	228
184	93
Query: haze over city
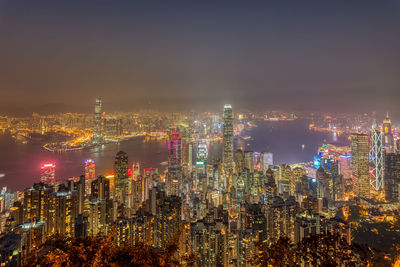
308	55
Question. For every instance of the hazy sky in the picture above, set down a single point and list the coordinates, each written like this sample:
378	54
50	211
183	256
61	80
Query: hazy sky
315	55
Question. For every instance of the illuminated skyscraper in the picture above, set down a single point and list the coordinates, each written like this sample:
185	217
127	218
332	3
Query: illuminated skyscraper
377	155
387	133
227	155
174	176
392	176
121	177
97	137
90	174
249	160
239	161
48	173
201	158
360	164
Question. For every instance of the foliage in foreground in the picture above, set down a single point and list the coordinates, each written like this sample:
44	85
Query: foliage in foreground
97	251
318	250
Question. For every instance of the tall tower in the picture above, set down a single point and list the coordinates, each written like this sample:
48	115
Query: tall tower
97	137
387	133
48	173
392	176
121	177
227	141
174	176
90	175
377	156
360	164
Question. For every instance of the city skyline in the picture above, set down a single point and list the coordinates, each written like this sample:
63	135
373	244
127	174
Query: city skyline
200	134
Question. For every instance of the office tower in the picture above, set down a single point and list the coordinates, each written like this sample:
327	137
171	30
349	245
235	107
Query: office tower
227	141
266	159
121	177
48	173
360	164
270	186
377	156
97	137
285	176
239	161
174	175
137	188
249	160
201	158
100	188
392	176
345	166
80	189
151	178
387	133
188	155
90	174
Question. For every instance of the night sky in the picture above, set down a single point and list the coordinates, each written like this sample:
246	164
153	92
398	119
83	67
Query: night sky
174	55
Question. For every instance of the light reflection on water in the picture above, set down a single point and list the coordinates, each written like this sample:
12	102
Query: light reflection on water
21	162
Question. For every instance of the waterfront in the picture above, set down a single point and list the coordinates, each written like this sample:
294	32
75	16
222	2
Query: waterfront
21	162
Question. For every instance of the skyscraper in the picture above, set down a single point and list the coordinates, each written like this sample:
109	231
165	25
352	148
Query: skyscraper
174	176
227	155
377	158
360	164
48	173
90	174
392	176
387	133
97	137
121	177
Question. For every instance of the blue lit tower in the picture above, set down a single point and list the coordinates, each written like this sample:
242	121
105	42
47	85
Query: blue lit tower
174	176
227	141
97	137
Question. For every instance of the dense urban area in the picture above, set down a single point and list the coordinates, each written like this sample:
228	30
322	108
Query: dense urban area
340	208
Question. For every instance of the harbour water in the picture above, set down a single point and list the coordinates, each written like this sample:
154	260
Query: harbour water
20	163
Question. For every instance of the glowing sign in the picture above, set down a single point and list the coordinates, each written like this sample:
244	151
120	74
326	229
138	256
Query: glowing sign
317	162
200	163
47	165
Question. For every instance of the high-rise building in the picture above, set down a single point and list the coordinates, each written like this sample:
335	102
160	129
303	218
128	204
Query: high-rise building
97	137
249	160
48	173
227	141
239	161
377	155
174	176
100	188
387	133
360	164
392	176
266	159
121	177
201	158
90	174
